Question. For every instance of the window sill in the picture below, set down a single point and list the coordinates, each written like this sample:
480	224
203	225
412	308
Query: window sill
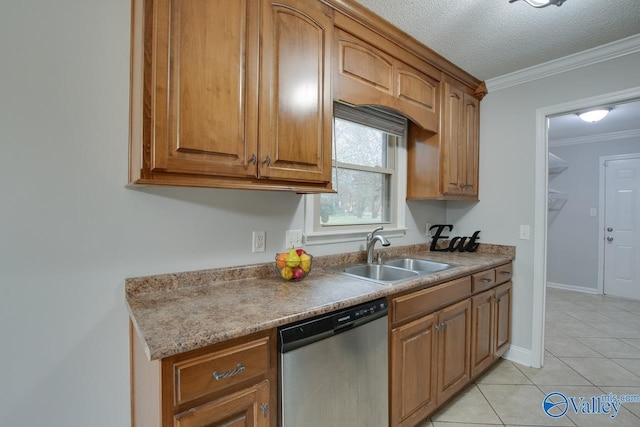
330	237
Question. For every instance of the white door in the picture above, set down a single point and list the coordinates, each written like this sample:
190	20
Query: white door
622	228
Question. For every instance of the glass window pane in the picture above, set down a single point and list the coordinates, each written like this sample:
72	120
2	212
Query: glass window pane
360	145
363	198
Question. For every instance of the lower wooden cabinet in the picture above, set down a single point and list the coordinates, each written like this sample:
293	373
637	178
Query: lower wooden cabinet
502	319
231	383
429	362
491	320
442	337
247	408
453	349
413	370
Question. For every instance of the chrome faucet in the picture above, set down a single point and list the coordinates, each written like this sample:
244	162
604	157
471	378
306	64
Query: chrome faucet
372	238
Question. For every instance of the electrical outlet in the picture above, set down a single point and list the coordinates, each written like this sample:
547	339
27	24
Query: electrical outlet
259	241
293	239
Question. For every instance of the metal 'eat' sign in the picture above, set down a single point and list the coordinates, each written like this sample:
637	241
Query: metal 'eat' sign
460	244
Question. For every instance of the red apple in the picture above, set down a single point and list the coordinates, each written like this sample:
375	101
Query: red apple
301	251
298	273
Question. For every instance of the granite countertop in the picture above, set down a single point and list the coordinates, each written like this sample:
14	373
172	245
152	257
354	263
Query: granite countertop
174	313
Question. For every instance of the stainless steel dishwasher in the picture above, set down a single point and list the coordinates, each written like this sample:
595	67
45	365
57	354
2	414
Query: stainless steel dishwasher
334	369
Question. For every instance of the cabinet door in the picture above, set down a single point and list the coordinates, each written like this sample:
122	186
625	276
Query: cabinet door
459	143
502	318
469	146
482	335
451	137
413	375
203	74
296	106
454	340
247	408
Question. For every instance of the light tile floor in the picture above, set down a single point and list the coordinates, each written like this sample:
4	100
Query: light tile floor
592	345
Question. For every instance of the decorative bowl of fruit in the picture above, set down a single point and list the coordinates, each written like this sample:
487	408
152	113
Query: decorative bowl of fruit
293	265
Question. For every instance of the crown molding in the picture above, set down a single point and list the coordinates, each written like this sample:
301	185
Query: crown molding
585	58
604	137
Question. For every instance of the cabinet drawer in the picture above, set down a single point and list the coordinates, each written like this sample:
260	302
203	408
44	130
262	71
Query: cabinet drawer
483	280
504	273
428	300
198	376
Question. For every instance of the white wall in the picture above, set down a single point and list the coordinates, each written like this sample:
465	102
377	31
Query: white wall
508	166
70	232
573	233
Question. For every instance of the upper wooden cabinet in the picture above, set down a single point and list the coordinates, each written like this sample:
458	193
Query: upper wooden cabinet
459	140
296	106
370	73
444	165
198	72
239	93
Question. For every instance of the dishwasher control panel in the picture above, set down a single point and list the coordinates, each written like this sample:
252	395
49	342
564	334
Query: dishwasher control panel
306	331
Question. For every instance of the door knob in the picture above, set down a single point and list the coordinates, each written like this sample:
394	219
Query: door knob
609	239
609	229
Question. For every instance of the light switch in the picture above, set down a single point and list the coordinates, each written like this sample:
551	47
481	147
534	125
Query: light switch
525	232
593	212
293	239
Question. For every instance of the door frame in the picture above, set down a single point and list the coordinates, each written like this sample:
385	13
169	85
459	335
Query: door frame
601	209
541	188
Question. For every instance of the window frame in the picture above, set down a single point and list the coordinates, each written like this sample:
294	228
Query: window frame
392	123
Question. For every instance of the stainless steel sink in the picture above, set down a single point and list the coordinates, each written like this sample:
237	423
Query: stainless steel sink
380	273
395	271
417	264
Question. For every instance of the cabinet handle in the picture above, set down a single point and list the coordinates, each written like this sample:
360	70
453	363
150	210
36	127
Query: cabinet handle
497	299
441	326
265	409
505	273
253	159
487	280
220	376
267	161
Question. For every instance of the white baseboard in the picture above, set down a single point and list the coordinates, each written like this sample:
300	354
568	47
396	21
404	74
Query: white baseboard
573	288
518	355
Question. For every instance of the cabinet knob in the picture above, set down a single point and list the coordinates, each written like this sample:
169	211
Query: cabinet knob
267	161
253	159
265	409
609	238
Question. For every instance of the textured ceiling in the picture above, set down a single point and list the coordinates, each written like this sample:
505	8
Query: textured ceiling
491	38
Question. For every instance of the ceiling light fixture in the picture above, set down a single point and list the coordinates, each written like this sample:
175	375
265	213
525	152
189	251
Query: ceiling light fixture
594	115
541	3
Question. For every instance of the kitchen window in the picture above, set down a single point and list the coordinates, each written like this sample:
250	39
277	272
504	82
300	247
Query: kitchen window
369	175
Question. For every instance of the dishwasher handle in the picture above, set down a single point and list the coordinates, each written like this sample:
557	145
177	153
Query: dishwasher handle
343	328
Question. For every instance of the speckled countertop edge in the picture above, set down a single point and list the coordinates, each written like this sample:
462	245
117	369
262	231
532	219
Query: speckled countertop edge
175	313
